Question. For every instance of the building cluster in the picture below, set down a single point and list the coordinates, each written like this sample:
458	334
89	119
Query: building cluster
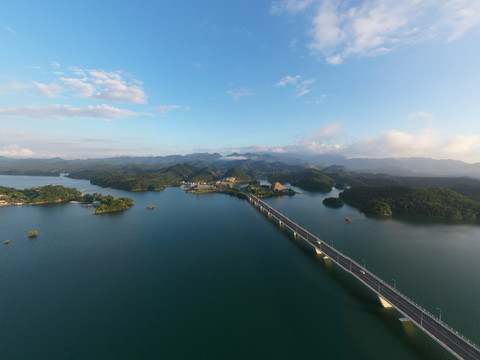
225	182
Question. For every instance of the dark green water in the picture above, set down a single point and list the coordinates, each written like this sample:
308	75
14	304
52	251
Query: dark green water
209	277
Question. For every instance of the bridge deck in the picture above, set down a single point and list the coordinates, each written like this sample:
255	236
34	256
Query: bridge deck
450	339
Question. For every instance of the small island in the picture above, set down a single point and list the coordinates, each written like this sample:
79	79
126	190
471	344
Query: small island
266	191
32	234
109	204
150	207
333	202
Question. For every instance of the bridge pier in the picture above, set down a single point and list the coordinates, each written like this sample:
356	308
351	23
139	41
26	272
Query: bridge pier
317	250
384	302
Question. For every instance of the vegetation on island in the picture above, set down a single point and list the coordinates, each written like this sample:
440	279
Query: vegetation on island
33	233
146	180
39	195
58	193
266	191
150	207
435	203
333	202
307	179
110	204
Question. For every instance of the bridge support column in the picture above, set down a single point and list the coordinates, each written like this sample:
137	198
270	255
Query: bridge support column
384	302
317	250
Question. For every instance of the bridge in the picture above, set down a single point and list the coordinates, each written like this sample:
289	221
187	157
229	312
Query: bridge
450	339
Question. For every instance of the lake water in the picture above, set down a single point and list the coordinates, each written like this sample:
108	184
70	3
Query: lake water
209	277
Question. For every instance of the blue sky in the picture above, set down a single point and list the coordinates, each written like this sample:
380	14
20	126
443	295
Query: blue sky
374	78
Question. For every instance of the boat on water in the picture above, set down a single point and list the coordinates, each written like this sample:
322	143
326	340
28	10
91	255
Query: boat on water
347	220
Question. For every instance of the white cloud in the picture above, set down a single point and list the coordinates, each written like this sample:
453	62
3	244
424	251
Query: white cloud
103	112
9	29
77	70
80	87
49	91
458	17
111	86
105	86
342	29
55	64
329	130
289	5
163	109
242	91
304	87
14	85
88	84
15	151
287	80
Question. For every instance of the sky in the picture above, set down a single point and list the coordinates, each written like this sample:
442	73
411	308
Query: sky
376	78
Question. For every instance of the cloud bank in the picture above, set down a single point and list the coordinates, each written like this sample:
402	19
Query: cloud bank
103	111
342	29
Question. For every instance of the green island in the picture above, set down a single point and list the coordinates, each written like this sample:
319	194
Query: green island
434	203
110	204
266	191
33	233
38	195
333	202
57	194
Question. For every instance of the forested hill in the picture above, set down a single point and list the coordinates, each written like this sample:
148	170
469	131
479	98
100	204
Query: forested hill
39	195
434	203
154	180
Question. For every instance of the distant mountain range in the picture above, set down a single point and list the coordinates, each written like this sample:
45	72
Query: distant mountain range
261	162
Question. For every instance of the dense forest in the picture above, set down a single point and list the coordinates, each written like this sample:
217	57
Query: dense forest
39	195
157	180
146	180
333	202
307	179
434	203
110	204
58	193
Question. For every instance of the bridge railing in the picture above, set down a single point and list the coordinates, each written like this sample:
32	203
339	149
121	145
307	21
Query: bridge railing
331	248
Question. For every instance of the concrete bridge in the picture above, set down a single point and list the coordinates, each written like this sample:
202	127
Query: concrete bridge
450	339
